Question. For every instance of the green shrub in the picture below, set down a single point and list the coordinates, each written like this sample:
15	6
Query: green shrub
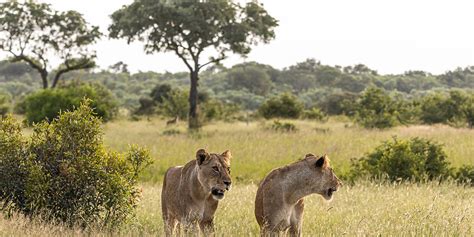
465	175
4	104
315	114
283	106
414	159
283	126
64	173
48	103
375	109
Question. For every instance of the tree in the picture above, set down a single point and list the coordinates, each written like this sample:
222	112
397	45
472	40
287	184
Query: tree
251	77
191	29
33	33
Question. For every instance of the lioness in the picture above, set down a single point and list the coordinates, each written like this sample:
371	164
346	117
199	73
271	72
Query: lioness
191	193
280	196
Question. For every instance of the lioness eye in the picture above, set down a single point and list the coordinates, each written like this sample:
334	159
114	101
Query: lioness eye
215	168
228	169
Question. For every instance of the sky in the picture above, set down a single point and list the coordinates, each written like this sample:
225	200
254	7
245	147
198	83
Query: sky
390	36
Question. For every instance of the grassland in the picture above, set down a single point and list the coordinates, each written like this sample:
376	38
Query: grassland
365	209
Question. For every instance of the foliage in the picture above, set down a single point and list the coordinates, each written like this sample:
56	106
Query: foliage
375	109
188	28
457	107
413	159
64	173
48	103
34	33
283	126
315	114
283	106
465	175
4	103
251	78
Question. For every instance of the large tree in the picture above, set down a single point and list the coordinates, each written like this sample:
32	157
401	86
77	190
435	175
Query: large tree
192	29
34	33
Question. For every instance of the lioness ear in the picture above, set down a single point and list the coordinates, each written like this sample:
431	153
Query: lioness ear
308	155
322	161
201	156
227	154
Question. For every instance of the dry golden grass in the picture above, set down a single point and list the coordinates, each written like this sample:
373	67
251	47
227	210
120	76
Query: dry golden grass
257	150
366	209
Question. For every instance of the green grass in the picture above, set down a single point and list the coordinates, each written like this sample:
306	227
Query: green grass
366	209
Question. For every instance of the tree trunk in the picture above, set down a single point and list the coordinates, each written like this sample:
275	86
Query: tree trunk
193	102
44	77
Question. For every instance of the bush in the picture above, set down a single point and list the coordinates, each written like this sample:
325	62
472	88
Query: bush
414	159
63	173
48	103
4	104
284	106
375	109
283	127
315	114
465	175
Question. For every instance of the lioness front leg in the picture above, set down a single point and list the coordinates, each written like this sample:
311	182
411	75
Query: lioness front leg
207	227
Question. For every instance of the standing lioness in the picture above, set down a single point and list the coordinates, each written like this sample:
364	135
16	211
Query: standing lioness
279	203
191	193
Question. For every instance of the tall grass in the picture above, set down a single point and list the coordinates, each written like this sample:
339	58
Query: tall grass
257	150
366	209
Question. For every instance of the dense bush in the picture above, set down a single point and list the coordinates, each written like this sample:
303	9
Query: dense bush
283	106
315	114
465	175
64	173
414	159
375	109
47	104
283	126
4	104
455	108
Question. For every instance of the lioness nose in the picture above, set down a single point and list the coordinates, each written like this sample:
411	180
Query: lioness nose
228	183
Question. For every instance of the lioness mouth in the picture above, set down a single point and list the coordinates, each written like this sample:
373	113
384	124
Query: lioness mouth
217	193
331	191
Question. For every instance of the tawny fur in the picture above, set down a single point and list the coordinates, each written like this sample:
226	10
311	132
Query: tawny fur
279	203
187	200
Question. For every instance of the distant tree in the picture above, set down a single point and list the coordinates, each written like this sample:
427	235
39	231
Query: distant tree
34	33
283	106
189	28
375	109
119	67
250	77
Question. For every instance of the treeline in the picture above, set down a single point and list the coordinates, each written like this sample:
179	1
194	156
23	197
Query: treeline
332	90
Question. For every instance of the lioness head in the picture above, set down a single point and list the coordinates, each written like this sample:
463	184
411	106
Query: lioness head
325	181
214	172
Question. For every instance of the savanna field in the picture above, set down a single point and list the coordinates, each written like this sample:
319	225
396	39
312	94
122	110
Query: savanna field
363	209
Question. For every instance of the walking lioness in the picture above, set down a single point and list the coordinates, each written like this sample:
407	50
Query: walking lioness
279	202
191	193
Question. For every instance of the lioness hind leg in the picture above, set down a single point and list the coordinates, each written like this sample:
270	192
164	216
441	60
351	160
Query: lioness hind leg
170	224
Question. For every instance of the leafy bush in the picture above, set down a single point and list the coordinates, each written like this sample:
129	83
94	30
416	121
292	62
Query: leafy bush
315	114
48	103
4	104
414	159
64	173
375	109
284	106
465	175
283	126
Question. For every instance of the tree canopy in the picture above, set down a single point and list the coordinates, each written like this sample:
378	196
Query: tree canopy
192	29
34	33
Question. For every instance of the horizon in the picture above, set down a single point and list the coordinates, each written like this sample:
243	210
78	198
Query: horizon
390	38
